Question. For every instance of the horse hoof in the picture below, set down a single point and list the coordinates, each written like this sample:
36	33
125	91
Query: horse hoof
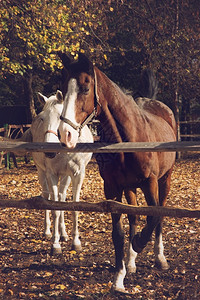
77	248
48	236
120	290
56	251
131	269
64	238
136	244
162	265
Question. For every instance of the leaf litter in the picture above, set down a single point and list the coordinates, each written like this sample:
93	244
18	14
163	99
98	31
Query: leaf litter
28	271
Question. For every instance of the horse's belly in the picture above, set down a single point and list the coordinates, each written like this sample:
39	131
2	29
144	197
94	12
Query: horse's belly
135	168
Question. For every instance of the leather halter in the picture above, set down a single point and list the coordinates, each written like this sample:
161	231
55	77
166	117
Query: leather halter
51	155
91	116
51	131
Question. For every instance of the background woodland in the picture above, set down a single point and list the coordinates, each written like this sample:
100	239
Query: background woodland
121	37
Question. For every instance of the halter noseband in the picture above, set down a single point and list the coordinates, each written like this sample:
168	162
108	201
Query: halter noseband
51	131
49	154
91	116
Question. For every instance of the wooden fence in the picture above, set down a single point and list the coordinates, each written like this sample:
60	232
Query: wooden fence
14	130
23	147
108	206
191	135
10	131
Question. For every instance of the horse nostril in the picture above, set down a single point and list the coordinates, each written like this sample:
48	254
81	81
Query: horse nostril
86	91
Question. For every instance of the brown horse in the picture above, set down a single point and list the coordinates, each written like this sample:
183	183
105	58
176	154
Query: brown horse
90	93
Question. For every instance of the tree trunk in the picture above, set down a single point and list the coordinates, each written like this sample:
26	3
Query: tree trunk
28	90
28	95
177	98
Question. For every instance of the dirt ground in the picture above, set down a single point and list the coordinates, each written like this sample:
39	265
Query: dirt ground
28	271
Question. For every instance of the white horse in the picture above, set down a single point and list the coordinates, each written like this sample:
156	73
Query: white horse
56	171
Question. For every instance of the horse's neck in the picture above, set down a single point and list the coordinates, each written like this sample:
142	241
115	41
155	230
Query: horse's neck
117	109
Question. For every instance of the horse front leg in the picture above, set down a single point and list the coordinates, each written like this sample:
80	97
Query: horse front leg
112	192
53	188
64	184
150	190
130	195
118	241
76	189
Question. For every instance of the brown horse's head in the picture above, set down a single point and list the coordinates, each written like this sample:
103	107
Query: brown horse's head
79	98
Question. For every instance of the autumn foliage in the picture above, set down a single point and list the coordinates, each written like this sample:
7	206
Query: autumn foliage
122	37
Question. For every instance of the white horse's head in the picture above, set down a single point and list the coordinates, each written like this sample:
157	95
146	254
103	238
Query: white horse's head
45	126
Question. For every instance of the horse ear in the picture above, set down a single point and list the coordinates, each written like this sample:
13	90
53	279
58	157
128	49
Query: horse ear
86	64
59	96
83	58
66	60
42	98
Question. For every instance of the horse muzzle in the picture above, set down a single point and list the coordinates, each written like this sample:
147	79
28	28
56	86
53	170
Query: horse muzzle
68	136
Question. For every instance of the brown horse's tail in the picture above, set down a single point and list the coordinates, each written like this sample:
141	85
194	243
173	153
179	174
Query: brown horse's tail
148	85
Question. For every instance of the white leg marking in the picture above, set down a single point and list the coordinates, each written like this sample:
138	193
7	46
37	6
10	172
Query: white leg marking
118	284
159	253
131	259
76	243
56	234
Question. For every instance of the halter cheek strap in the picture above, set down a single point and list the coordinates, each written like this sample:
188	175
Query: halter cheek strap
91	116
67	121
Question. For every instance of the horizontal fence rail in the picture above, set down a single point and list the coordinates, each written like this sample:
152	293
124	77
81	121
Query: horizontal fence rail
108	206
23	147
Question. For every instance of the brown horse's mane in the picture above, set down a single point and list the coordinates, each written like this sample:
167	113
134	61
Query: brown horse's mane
124	114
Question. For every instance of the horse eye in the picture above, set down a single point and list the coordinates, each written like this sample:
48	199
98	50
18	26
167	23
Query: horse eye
87	80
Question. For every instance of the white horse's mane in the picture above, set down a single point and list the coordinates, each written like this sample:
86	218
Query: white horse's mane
51	102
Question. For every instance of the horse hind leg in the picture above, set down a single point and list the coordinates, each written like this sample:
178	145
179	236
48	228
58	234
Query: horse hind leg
160	260
118	239
164	187
45	195
130	195
150	190
53	188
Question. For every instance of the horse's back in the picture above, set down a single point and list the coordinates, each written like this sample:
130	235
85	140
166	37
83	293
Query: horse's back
157	108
